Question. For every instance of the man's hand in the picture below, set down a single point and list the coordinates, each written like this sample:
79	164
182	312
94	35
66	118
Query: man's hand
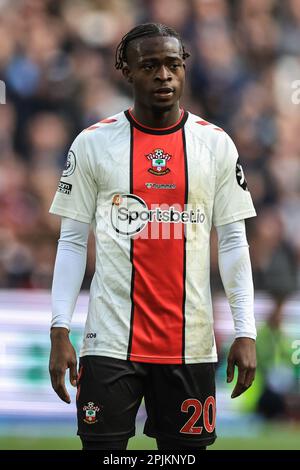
243	355
62	357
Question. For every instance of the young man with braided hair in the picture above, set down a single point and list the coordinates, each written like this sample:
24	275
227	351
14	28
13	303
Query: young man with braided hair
152	180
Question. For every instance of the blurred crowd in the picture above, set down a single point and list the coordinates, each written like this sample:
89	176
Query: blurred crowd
57	61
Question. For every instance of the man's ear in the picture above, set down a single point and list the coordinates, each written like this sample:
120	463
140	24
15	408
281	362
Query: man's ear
127	74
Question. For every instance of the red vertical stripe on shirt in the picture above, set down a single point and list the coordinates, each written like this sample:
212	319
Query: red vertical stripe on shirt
158	284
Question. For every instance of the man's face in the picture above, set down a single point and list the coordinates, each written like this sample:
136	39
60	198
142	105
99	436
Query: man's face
157	71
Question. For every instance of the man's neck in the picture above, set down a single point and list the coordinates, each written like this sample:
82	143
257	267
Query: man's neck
156	119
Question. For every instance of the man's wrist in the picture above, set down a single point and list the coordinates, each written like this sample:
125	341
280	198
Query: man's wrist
247	338
59	331
246	334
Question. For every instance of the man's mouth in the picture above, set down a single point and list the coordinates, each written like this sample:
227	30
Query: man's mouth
164	92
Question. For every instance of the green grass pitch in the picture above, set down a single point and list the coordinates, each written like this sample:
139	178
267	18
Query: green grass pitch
279	437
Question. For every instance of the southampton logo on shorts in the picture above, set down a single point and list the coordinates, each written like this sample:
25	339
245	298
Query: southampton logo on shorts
70	164
159	161
91	413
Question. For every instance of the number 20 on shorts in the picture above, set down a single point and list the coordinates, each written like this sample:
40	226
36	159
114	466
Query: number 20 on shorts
209	424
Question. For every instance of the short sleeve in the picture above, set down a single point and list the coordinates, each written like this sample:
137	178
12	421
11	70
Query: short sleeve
232	200
76	195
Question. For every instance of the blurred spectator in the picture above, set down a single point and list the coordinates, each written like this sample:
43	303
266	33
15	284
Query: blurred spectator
275	271
274	365
290	32
172	12
57	60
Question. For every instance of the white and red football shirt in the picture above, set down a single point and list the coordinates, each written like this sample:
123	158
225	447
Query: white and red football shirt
152	196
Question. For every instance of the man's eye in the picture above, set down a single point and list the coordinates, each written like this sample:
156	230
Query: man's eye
147	66
175	66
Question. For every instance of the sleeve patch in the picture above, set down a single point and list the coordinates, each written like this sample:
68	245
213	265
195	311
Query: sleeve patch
70	164
64	187
240	176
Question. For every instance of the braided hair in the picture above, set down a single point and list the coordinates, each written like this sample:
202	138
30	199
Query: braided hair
145	30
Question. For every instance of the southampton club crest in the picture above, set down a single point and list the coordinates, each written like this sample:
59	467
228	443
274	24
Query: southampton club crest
159	160
91	413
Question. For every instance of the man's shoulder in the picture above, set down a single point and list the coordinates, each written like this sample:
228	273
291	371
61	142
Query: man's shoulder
105	127
202	126
209	133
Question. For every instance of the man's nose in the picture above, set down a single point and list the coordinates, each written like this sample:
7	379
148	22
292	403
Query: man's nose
163	73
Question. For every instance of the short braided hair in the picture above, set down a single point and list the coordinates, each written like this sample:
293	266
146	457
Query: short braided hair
145	30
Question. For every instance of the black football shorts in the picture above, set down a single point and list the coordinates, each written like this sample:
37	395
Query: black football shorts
179	400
